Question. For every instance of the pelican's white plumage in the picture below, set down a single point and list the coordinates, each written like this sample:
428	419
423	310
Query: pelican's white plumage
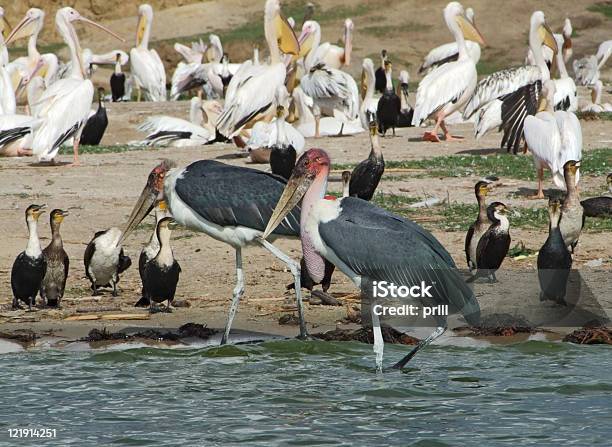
251	93
553	138
147	68
566	95
488	118
447	52
447	88
369	105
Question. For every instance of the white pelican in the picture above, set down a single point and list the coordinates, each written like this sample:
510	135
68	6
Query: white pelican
567	40
7	95
193	54
596	106
332	55
603	53
449	51
328	125
30	27
367	110
251	94
177	132
147	68
66	104
331	89
566	96
553	138
448	87
511	94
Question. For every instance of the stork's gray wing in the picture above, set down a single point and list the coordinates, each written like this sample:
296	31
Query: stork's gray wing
381	246
235	196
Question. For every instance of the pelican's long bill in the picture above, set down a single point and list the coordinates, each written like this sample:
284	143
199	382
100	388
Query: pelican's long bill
469	30
548	38
102	27
140	28
25	28
287	42
297	185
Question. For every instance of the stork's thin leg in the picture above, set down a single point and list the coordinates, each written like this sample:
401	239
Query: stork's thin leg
435	334
238	292
379	343
295	270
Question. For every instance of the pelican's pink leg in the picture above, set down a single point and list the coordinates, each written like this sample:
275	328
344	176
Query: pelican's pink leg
447	134
433	135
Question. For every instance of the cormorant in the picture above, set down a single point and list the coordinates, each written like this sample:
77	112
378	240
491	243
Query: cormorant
406	111
554	259
282	152
389	105
30	266
150	250
94	128
117	81
494	243
571	209
105	260
346	182
161	274
479	227
367	174
379	75
599	206
54	283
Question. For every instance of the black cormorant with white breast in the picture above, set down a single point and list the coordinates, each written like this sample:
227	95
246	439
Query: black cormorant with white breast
117	81
58	263
494	243
389	105
380	79
599	206
366	175
229	203
282	152
30	266
105	260
150	250
554	259
479	227
161	274
369	244
571	209
96	124
406	110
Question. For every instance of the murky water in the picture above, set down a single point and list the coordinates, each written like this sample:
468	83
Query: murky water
311	393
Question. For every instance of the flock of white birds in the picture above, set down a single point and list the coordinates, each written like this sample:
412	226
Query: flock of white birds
301	90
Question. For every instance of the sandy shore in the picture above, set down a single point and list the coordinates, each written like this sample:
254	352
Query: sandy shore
102	192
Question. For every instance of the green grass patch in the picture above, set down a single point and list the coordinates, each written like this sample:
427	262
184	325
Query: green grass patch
84	149
596	162
604	8
386	31
592	116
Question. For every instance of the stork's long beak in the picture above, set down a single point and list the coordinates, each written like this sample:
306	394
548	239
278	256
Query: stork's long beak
470	32
102	27
144	205
25	28
548	38
296	187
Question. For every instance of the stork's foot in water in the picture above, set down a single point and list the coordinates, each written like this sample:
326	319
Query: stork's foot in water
431	136
435	334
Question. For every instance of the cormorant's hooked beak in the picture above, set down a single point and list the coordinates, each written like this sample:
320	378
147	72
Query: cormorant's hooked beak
297	185
146	202
469	30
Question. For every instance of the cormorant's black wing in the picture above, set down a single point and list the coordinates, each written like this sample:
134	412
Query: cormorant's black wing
235	196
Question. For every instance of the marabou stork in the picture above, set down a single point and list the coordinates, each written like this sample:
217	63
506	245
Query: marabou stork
369	244
229	203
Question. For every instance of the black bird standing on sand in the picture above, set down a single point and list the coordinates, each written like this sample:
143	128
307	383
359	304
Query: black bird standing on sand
58	263
117	81
494	243
30	266
479	227
105	260
389	105
366	175
94	128
161	274
554	259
